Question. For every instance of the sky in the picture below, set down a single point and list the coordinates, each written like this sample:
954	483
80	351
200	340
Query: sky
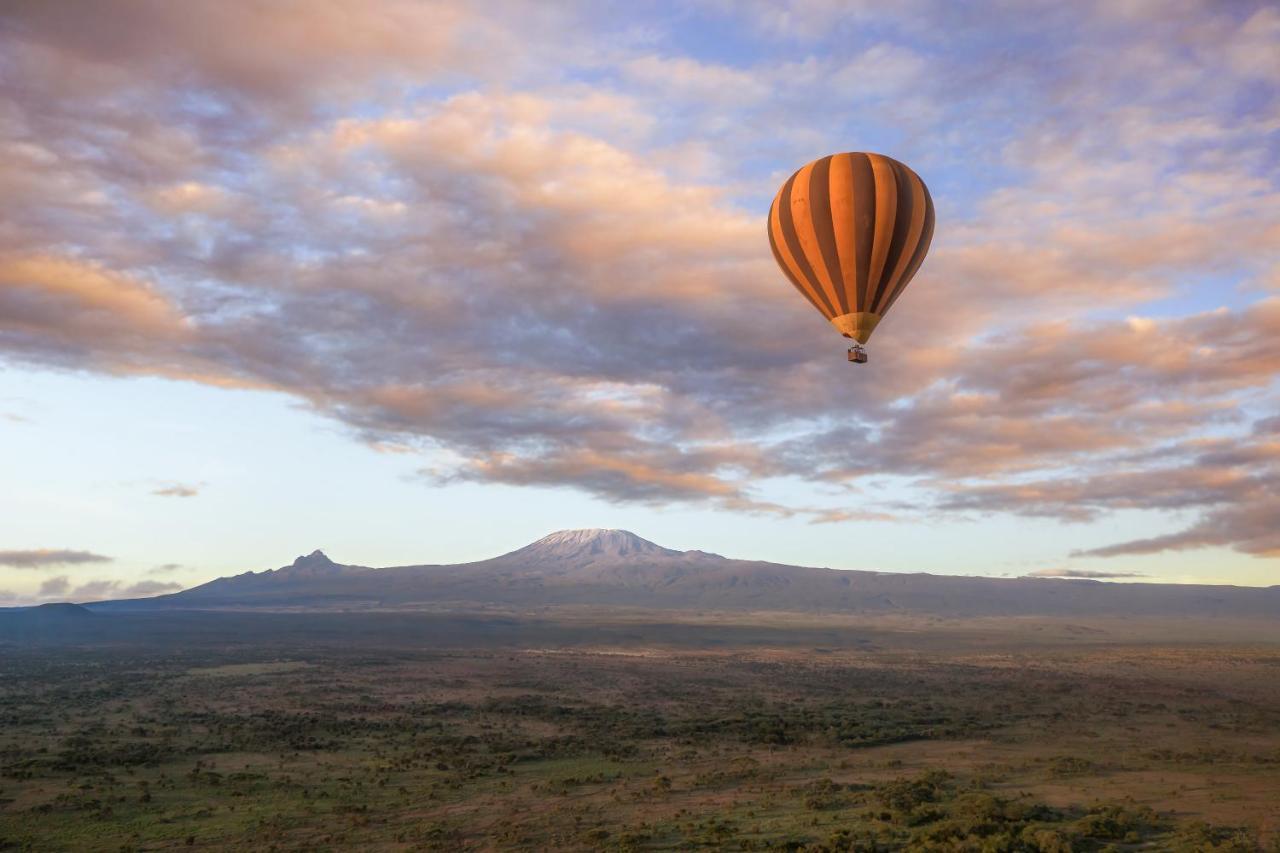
419	282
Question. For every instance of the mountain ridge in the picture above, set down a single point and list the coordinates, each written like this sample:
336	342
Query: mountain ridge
608	567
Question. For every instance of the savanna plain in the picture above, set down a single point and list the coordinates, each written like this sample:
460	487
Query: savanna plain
590	729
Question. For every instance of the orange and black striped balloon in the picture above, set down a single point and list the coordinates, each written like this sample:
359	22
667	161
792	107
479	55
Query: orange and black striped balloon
849	231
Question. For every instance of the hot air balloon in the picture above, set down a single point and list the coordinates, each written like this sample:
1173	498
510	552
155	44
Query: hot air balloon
849	231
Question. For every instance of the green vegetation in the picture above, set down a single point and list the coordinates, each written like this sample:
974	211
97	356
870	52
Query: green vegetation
292	746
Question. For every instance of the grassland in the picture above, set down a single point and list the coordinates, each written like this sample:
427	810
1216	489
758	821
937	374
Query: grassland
705	734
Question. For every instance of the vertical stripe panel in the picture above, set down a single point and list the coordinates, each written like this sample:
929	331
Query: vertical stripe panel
840	191
864	208
824	230
805	213
786	269
885	216
789	247
906	238
922	248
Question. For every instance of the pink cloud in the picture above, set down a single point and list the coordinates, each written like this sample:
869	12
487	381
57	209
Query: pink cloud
531	276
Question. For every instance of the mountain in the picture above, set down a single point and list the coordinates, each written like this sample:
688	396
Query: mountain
619	568
44	621
56	612
582	548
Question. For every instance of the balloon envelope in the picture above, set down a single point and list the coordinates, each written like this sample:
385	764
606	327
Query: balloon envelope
850	231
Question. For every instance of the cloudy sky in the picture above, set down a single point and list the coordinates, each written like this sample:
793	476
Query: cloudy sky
422	281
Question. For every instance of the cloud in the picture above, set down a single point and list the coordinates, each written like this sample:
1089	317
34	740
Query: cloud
65	285
535	280
1248	527
700	82
177	490
164	568
40	558
105	589
1233	482
840	516
64	310
55	586
284	52
147	588
1081	574
94	590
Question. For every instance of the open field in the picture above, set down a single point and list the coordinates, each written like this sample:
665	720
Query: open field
591	730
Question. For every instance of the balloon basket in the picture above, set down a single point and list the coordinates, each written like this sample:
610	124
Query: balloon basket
857	354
